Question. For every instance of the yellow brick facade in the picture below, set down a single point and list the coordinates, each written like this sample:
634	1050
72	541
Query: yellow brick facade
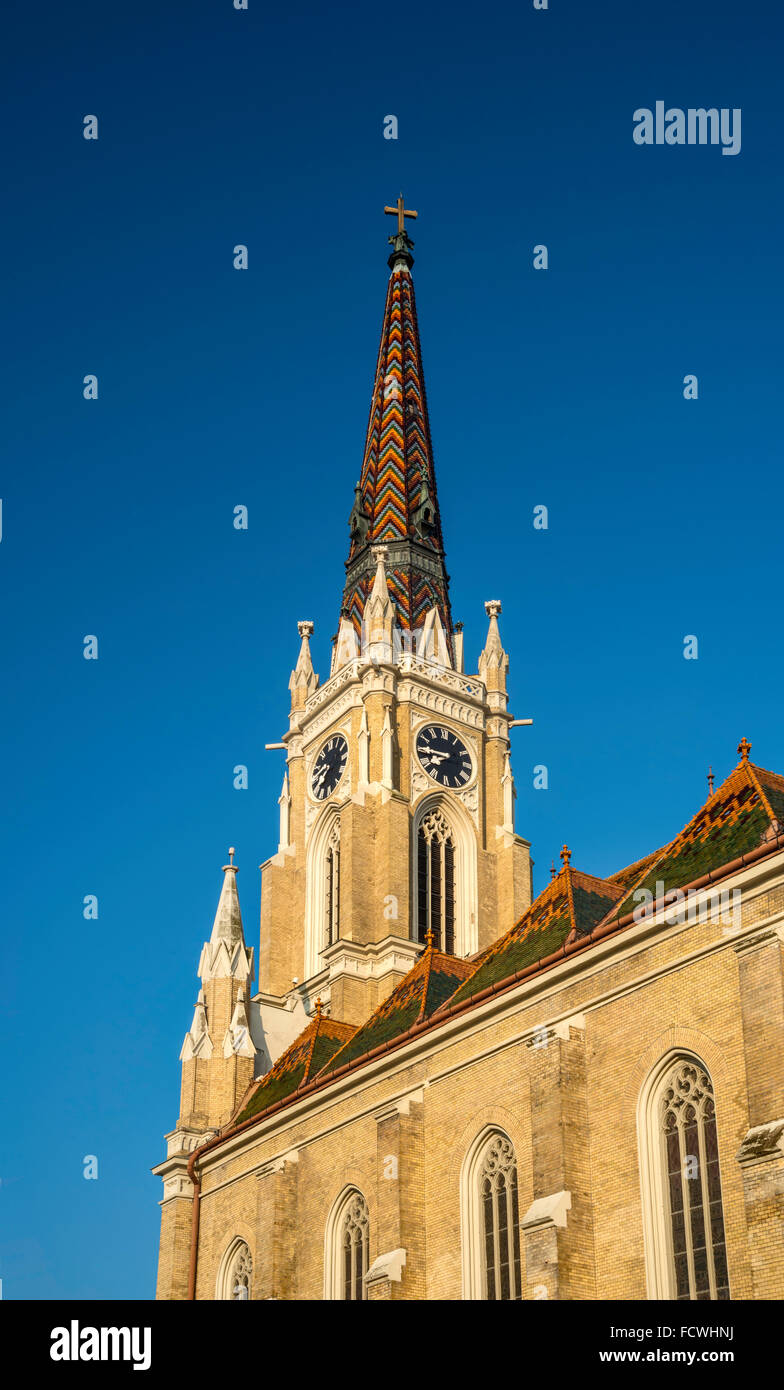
557	1064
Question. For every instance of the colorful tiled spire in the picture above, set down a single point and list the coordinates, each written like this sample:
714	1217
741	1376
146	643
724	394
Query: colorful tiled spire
395	500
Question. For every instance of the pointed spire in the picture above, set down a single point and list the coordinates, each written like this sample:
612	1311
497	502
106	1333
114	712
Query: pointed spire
346	645
493	660
226	953
396	499
228	918
378	621
197	1041
710	781
303	680
238	1040
433	644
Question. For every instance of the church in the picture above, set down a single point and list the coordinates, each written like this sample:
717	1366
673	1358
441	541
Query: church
428	1084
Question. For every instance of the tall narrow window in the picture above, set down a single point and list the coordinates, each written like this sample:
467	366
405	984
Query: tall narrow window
500	1222
686	1122
235	1280
436	881
355	1229
332	887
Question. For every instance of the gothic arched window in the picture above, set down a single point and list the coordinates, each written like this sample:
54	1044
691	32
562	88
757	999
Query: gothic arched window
235	1278
685	1246
690	1155
491	1221
354	1241
347	1247
436	881
332	887
500	1221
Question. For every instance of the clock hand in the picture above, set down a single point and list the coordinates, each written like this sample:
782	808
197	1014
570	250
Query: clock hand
436	757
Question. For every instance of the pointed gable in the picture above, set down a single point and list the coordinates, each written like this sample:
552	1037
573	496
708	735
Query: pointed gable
298	1065
571	905
419	994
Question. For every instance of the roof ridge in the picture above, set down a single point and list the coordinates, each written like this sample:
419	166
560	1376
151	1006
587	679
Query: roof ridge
570	894
755	782
312	1046
428	959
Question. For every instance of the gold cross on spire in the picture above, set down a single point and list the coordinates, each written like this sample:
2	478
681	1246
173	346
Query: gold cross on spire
402	213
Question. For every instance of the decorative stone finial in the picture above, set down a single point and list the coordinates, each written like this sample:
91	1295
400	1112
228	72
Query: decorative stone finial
553	871
305	629
319	1007
744	748
493	607
380	553
566	855
429	939
710	781
232	853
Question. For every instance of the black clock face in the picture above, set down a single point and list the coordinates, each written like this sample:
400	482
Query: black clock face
444	756
329	767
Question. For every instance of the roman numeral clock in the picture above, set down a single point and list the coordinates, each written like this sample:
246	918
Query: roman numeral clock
329	767
444	756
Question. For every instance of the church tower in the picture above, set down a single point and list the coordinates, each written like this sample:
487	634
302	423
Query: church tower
217	1057
397	805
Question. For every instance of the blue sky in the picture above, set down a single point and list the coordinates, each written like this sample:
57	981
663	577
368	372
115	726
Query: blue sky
219	387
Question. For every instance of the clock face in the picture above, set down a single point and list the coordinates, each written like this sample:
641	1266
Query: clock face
329	767
444	756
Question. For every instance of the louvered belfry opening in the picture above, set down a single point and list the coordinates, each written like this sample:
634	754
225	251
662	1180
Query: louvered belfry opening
436	882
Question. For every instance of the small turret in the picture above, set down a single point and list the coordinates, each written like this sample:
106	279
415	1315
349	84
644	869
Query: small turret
493	660
303	680
214	1077
379	617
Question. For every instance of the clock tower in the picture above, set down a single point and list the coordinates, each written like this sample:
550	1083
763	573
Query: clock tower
397	805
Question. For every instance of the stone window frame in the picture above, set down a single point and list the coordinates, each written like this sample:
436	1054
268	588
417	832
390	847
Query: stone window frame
472	1214
237	1251
656	1217
334	1268
466	930
316	878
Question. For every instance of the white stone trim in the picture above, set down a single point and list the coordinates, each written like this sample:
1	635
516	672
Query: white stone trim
333	1248
548	1211
314	889
471	1226
223	1290
657	1235
388	1266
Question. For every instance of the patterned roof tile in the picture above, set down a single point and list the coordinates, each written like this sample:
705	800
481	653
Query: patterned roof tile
419	994
306	1056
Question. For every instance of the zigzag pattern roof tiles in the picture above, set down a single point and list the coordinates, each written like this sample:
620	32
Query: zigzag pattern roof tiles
398	482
